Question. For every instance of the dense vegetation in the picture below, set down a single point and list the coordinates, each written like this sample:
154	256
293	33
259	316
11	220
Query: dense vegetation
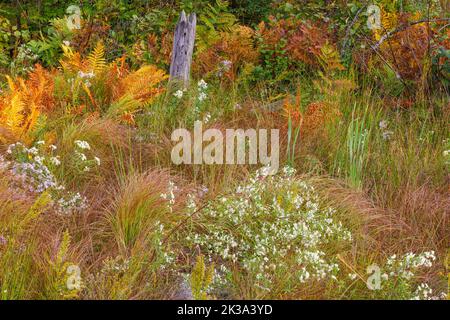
92	207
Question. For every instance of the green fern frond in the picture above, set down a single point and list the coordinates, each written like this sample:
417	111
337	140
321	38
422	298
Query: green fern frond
214	20
329	59
125	104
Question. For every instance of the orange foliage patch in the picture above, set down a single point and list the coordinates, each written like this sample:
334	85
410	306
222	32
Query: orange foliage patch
407	50
227	55
317	114
304	40
21	105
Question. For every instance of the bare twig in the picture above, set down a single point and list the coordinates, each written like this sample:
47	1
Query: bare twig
349	28
397	74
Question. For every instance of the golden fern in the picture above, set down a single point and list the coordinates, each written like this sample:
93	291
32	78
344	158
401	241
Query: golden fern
72	61
141	85
63	249
96	59
33	213
13	113
21	106
58	280
30	121
389	20
201	279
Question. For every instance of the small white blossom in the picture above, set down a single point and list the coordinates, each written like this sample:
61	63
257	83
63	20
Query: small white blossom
202	85
87	75
202	96
178	94
81	156
383	124
33	150
55	161
352	276
84	145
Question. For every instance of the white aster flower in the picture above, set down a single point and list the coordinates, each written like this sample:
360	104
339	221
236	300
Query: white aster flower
178	94
55	161
82	156
202	85
82	144
202	96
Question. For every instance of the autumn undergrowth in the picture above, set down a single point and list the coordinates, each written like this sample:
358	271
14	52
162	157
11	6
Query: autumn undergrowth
92	206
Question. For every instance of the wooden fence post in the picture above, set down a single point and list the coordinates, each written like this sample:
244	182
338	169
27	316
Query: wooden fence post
183	47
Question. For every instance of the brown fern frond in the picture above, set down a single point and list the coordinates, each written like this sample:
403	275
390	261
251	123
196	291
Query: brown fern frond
39	88
234	48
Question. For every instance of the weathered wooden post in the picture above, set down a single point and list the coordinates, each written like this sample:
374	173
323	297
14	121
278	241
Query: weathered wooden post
183	47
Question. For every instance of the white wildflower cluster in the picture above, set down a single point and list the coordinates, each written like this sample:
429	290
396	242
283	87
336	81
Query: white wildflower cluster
34	175
267	220
206	118
224	67
178	94
170	195
424	292
71	204
352	276
219	279
191	204
25	53
85	77
83	145
25	59
4	165
83	162
400	272
115	265
404	267
165	256
202	86
385	133
32	168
